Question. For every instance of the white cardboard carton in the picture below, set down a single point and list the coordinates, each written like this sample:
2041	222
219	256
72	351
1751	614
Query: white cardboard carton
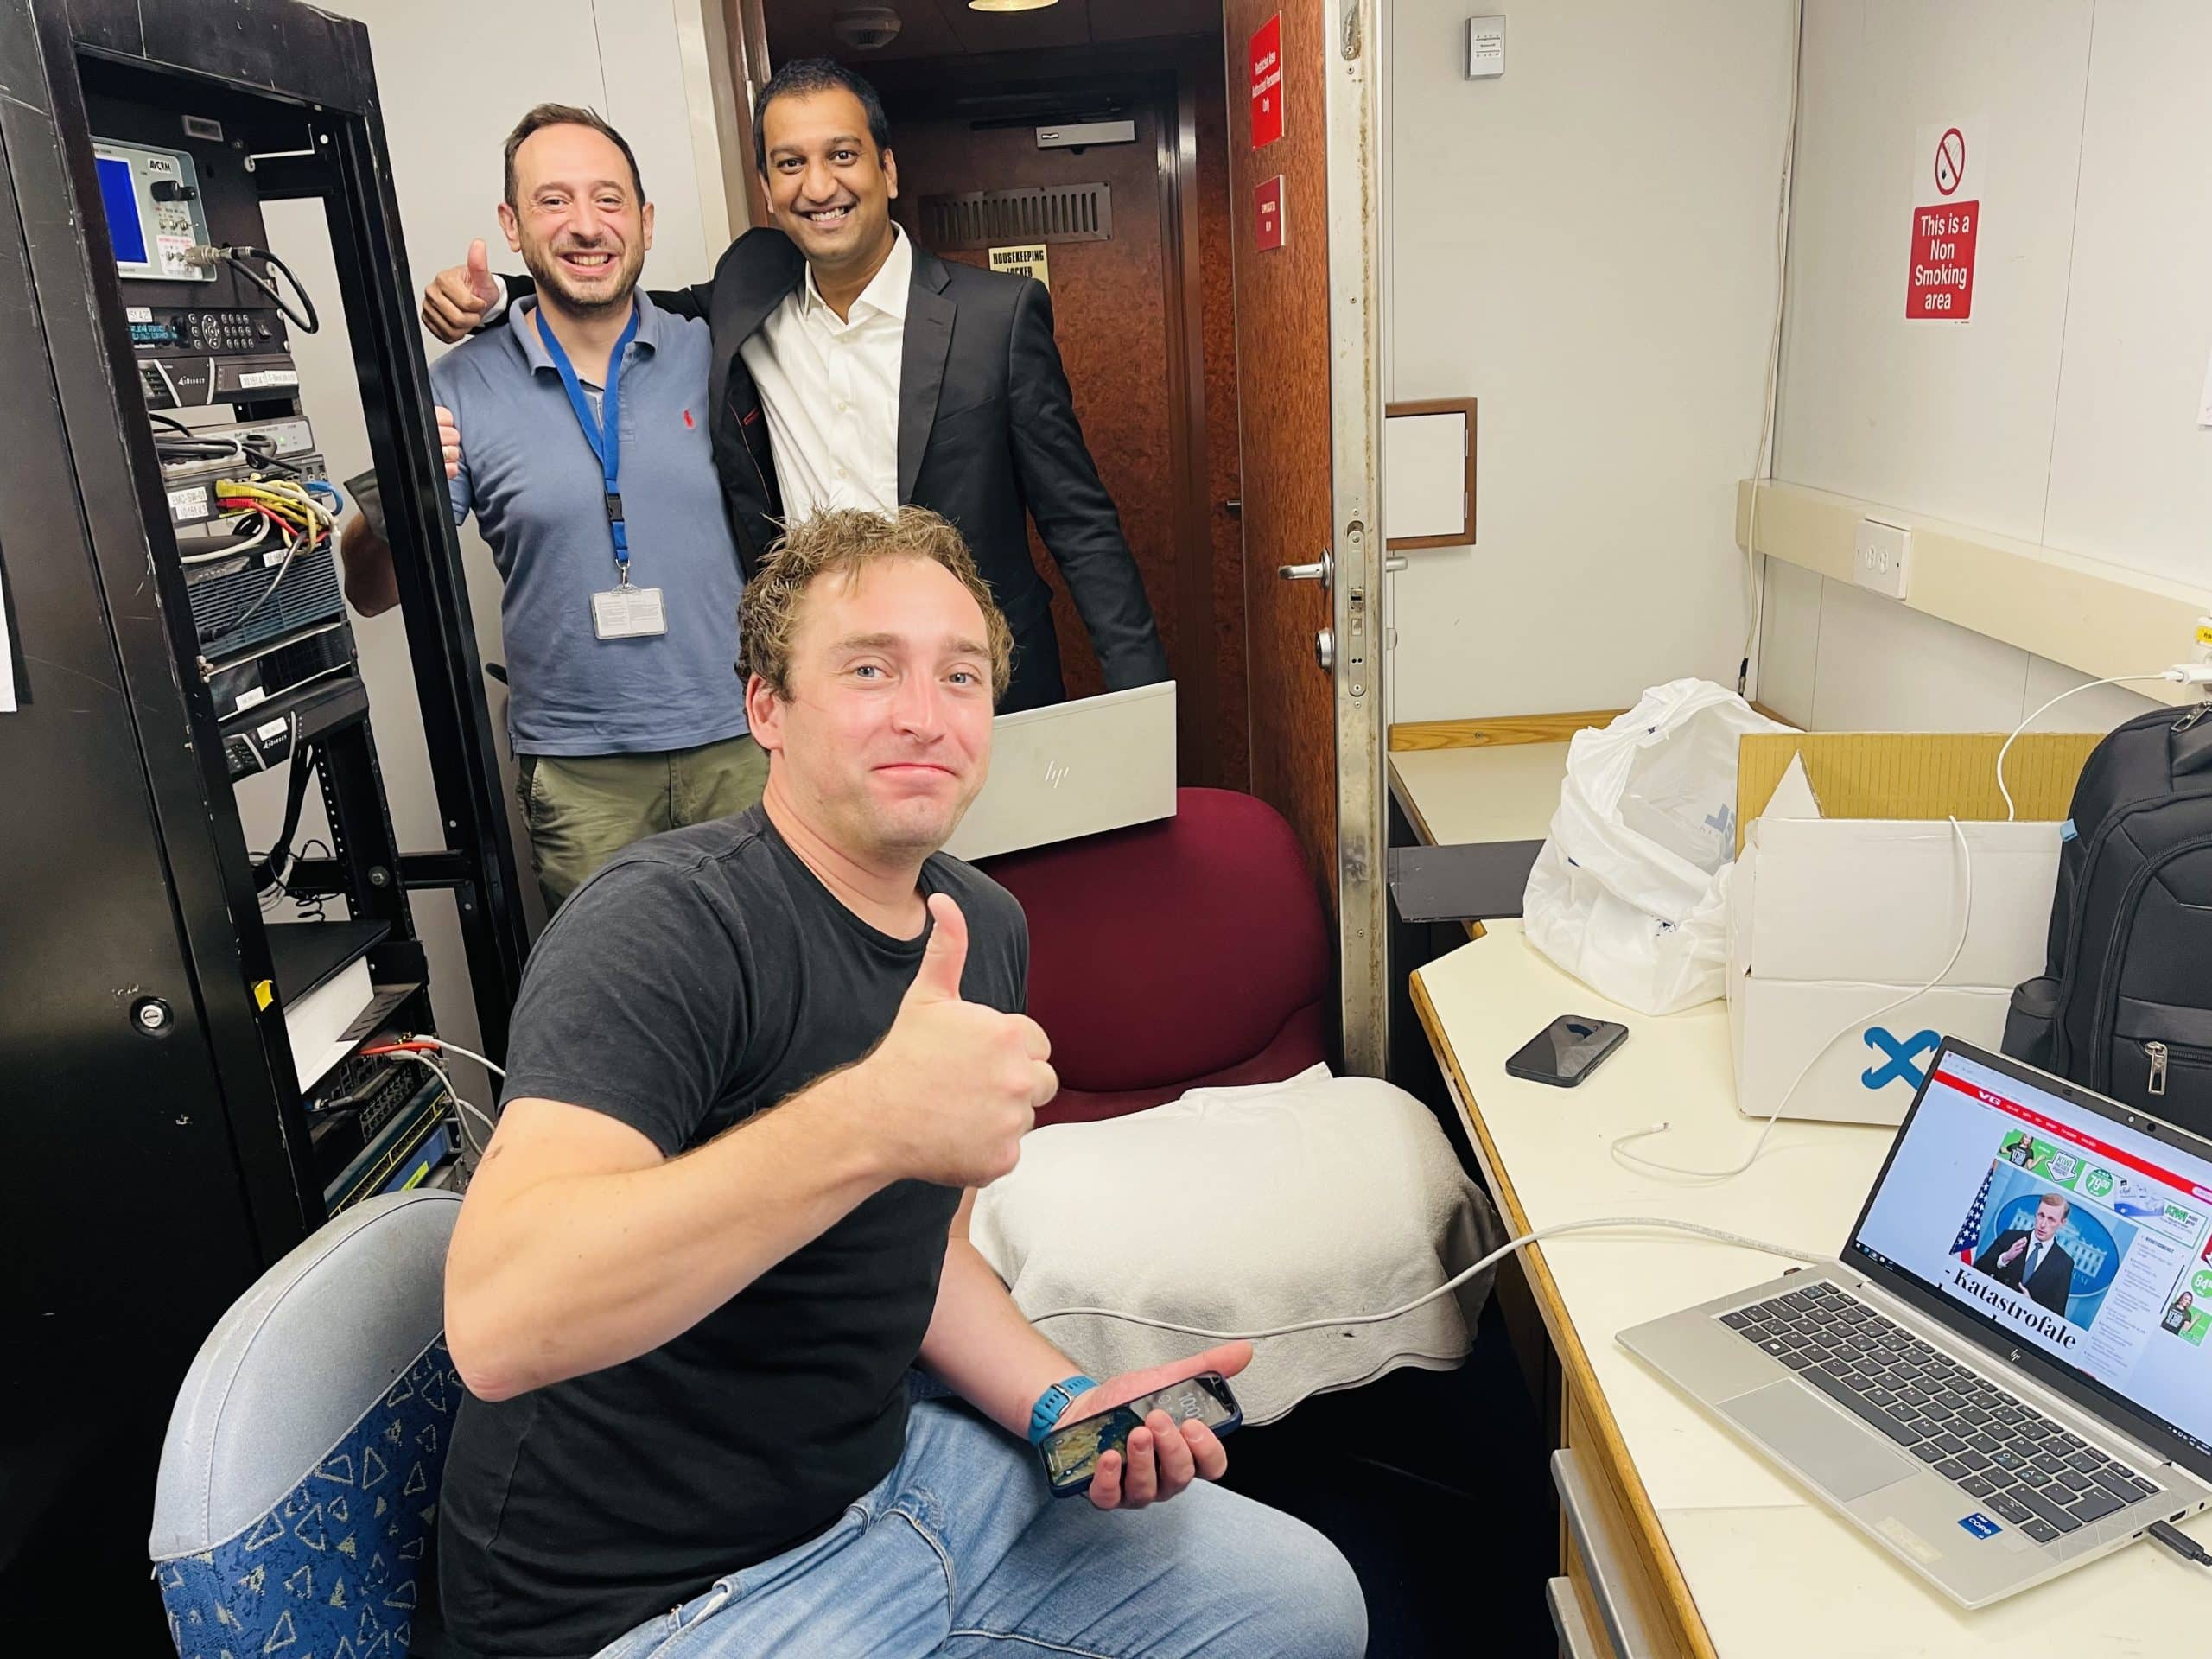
1834	919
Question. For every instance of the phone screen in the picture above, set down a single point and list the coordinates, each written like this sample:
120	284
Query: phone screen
1071	1451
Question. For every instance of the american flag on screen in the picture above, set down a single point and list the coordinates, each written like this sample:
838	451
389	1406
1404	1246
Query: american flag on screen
1970	1229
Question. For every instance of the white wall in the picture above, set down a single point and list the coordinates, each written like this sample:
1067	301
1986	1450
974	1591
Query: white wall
2065	412
449	98
1586	245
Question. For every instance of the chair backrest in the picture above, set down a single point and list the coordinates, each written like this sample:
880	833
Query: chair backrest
1189	952
299	1482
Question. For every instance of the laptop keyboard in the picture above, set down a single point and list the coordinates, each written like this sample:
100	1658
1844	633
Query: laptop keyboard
2043	1478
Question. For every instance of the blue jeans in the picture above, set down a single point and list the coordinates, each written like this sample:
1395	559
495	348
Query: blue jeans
961	1552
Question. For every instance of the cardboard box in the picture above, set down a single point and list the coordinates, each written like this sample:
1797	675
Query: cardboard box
1848	894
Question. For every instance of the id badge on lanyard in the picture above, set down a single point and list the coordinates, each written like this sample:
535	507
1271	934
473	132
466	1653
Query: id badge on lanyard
621	611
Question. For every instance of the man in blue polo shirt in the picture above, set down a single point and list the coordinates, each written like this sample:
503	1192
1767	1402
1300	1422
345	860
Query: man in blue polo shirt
588	463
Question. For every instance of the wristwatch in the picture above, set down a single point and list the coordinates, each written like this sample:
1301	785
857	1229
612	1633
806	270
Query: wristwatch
1045	1414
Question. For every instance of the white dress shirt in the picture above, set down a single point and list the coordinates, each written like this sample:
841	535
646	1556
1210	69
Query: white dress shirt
830	389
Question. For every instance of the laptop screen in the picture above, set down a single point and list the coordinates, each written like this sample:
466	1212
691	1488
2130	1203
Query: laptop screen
2061	1228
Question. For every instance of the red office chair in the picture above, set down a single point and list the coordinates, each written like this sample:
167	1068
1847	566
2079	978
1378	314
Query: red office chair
1173	956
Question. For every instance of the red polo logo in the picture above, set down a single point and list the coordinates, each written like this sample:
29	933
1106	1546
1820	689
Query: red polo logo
687	420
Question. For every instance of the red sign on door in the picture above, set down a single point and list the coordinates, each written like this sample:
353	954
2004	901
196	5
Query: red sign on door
1267	83
1266	213
1940	285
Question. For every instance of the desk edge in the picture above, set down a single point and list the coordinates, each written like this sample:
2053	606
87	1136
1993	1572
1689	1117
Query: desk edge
1404	792
1573	1358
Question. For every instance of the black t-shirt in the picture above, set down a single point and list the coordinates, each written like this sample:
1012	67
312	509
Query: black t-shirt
701	977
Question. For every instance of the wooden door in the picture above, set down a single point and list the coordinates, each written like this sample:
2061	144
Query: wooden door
1149	343
1309	442
1110	319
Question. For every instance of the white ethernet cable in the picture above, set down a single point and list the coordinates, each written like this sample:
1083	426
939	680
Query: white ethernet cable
453	1094
1617	1223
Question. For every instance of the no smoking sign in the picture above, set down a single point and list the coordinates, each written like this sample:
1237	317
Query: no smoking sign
1950	162
1939	280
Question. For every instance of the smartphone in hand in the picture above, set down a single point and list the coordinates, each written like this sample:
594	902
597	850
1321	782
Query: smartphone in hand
1071	1453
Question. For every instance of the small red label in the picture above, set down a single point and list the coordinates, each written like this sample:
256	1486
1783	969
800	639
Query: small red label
1939	284
1267	82
1266	213
687	420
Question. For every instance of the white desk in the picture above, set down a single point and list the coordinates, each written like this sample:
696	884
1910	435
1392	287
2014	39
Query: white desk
1491	791
1726	1557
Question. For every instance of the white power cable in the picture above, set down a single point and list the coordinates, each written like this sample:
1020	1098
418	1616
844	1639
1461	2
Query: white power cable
231	550
1617	1223
1762	454
1656	1165
2012	813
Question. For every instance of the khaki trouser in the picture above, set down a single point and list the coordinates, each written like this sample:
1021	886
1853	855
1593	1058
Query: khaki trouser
583	809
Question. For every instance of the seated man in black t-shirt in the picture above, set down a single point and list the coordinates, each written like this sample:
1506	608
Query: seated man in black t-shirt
754	1067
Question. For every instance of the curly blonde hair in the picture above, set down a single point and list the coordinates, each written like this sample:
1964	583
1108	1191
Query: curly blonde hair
845	542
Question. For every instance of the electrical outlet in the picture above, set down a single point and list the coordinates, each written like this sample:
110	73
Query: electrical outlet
1881	554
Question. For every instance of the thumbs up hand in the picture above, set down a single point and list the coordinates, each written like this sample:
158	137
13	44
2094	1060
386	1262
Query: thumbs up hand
479	268
459	296
955	1085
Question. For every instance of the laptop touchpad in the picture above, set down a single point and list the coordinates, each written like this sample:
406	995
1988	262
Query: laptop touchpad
1815	1436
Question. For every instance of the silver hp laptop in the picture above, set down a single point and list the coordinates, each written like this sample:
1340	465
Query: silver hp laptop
1074	769
2009	1371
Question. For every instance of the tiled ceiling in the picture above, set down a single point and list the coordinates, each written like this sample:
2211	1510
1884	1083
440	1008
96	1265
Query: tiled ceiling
937	28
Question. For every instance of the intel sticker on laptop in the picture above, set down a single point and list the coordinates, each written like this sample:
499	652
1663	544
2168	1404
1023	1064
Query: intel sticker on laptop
1980	1525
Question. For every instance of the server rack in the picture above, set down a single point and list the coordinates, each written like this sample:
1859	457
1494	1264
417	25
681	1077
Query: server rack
152	1112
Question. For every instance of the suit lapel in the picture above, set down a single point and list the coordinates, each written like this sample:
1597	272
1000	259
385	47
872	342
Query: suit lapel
770	267
921	366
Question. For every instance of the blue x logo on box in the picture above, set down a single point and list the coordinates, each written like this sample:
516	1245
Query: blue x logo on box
1902	1053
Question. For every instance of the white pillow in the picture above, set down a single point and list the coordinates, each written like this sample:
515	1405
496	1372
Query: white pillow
1243	1209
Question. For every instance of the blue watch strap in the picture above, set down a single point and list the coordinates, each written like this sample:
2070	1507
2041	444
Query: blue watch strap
1054	1401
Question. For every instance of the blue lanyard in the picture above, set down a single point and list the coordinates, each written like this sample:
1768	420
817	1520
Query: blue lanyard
604	435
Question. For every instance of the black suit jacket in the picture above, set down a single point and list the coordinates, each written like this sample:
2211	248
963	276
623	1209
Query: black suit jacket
987	434
2054	1280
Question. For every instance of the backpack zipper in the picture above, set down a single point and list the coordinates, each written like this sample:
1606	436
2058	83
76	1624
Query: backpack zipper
2156	1051
2108	1009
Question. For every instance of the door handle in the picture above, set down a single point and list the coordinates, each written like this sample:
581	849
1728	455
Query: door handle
1323	570
1234	504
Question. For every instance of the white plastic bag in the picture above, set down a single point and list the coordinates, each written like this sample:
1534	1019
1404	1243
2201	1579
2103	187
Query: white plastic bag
1631	892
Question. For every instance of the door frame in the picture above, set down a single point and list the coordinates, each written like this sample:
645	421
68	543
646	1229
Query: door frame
1355	50
732	41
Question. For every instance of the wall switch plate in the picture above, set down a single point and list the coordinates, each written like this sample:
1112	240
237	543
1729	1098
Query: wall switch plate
1882	552
1485	47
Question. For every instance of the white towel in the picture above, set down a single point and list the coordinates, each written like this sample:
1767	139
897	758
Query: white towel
1242	1209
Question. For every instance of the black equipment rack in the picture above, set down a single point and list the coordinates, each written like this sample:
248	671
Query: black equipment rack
151	1116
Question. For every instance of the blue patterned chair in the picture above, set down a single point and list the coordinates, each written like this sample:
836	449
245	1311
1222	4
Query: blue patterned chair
298	1490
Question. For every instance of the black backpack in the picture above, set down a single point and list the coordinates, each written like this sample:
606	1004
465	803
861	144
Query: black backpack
2124	1004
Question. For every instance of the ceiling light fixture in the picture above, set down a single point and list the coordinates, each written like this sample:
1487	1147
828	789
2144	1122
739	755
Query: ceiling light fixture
1010	6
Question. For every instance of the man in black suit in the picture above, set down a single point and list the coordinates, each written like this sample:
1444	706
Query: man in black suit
852	369
2031	1259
